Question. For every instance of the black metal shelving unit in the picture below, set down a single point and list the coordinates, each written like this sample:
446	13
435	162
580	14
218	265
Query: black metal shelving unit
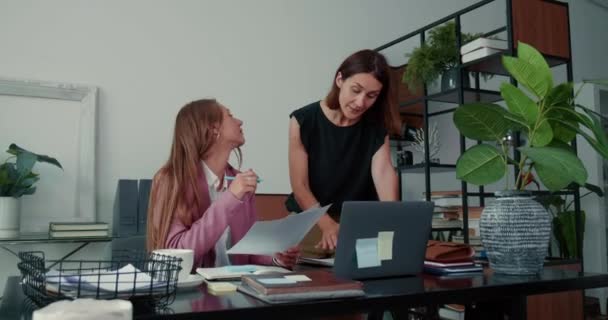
490	64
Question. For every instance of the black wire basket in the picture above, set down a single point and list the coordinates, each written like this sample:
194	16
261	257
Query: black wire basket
137	276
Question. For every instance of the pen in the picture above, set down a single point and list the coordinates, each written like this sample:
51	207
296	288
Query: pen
230	178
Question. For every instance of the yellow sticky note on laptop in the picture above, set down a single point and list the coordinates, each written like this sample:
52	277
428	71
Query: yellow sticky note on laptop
385	245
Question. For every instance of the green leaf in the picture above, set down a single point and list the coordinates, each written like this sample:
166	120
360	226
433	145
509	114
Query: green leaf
543	134
595	189
559	95
16	150
482	121
560	144
556	167
562	132
519	103
528	75
529	54
25	163
567	223
480	165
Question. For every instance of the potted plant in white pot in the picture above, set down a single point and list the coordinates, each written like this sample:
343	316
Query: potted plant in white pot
515	229
16	180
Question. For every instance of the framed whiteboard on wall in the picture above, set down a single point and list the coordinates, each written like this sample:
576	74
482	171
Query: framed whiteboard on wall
59	120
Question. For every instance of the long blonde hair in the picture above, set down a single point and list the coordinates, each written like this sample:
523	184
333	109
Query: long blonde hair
176	188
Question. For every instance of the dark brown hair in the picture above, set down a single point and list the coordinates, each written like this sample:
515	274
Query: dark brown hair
384	110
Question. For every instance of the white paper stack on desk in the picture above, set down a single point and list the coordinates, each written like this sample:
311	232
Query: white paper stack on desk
126	280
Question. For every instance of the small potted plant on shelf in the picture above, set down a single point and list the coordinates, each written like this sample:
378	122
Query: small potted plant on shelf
436	58
16	180
515	229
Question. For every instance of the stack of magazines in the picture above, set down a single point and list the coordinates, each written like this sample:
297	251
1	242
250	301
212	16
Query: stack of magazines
78	230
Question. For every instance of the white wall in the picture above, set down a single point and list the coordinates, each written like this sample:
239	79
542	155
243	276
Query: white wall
262	58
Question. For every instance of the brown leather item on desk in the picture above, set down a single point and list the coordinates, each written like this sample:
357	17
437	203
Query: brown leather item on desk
441	251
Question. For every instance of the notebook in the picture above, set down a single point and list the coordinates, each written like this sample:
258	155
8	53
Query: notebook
298	286
382	239
235	272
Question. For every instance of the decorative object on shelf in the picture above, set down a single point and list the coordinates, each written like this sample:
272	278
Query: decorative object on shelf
436	58
564	217
403	157
16	180
434	143
549	120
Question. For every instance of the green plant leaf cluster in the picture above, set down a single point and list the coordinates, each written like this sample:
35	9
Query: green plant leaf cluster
16	177
545	113
435	56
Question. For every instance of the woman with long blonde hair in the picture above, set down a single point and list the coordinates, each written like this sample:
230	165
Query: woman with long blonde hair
192	205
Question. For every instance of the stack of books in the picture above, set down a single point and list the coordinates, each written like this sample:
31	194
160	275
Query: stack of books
458	268
450	259
445	213
60	230
299	286
482	47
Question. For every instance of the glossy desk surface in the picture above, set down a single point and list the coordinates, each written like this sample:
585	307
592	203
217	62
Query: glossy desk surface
380	294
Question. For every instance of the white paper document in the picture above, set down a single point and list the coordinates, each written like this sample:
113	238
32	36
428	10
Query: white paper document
270	237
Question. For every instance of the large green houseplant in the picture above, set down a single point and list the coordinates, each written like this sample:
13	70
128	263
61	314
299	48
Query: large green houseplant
17	179
548	118
438	55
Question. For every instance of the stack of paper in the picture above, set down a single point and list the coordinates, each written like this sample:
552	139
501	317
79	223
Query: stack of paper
127	279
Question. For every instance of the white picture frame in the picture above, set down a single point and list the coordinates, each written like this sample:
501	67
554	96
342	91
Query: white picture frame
85	206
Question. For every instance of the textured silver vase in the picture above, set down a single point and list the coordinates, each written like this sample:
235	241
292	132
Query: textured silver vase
515	231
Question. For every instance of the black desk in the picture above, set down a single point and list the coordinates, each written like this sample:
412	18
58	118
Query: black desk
380	295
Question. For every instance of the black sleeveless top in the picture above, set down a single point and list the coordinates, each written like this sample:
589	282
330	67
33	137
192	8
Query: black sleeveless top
339	158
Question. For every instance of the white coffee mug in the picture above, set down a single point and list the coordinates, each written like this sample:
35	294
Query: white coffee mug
187	256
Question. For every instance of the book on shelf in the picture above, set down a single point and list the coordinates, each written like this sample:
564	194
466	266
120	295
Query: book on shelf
447	202
478	54
446	223
79	234
452	312
236	271
77	226
445	193
299	286
480	43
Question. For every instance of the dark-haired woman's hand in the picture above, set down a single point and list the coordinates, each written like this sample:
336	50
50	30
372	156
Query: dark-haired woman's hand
329	228
244	183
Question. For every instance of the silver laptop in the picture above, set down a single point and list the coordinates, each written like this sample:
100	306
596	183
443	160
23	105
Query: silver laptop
382	239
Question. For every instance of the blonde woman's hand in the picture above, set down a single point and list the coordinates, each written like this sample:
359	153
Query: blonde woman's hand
244	183
288	258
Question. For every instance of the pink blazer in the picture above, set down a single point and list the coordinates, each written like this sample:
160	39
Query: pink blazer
205	231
